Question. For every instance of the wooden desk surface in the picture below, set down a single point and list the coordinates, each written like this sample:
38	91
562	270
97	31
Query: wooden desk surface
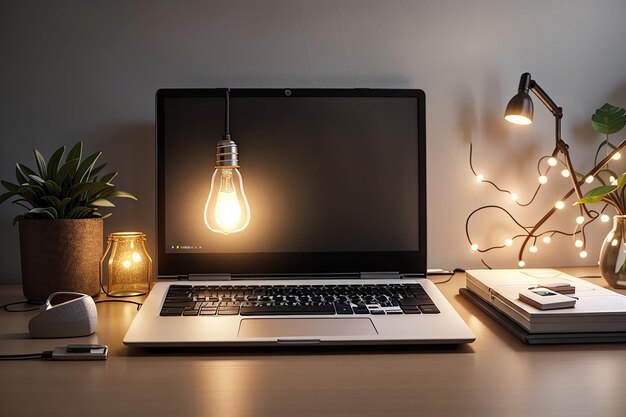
497	375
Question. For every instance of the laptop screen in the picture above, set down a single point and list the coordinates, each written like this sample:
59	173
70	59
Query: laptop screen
334	180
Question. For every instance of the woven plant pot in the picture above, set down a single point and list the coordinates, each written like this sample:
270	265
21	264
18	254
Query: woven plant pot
60	255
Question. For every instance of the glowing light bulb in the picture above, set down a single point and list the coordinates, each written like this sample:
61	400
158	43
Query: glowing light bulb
474	247
136	257
580	219
552	162
513	197
559	205
480	178
616	157
604	218
583	254
547	240
565	173
589	179
226	210
578	243
614	242
611	179
543	179
533	249
508	242
521	264
126	264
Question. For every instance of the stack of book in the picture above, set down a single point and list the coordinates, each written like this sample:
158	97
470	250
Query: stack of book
599	314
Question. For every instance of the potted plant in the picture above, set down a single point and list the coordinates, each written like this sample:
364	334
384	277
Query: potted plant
61	231
608	120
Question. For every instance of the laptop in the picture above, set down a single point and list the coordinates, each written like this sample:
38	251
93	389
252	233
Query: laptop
335	249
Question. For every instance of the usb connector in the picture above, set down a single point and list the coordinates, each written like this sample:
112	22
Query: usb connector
78	353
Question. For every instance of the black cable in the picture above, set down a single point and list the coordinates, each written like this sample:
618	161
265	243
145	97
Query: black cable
227	122
450	275
22	356
5	307
121	301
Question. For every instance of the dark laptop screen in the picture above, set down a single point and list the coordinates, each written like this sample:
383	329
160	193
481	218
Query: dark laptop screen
331	177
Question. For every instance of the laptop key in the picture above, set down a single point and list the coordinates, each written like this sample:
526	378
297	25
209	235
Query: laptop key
429	309
343	308
286	310
171	311
193	312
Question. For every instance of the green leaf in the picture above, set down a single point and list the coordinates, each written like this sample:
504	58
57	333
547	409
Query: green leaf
14	188
37	179
53	188
53	163
621	180
82	173
122	194
22	172
4	197
79	212
41	164
102	202
75	153
108	177
596	195
608	119
44	212
52	200
91	188
68	168
96	171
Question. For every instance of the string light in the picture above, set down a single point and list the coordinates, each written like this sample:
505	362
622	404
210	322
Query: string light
508	242
543	179
616	157
552	162
583	254
559	205
589	179
521	264
514	197
565	173
578	243
580	219
533	249
480	178
611	179
604	218
474	247
547	240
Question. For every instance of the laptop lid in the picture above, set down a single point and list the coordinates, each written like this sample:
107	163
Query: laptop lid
335	180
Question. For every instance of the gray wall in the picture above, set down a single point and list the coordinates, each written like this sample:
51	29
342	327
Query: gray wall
73	70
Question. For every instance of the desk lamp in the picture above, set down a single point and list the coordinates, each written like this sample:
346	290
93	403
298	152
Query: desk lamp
226	210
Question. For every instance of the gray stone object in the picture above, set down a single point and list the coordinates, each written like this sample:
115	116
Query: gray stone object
73	318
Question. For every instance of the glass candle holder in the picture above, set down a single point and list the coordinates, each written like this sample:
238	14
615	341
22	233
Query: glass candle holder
128	265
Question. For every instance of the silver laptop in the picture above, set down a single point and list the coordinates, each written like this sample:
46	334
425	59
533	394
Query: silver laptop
335	249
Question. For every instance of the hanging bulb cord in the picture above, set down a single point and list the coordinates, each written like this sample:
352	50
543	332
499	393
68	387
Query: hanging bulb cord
227	120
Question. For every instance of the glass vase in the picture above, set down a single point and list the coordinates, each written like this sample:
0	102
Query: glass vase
129	267
613	254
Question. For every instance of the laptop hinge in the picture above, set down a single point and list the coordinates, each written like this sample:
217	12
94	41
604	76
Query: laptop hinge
380	275
206	277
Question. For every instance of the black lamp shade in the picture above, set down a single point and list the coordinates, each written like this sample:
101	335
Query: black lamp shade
520	109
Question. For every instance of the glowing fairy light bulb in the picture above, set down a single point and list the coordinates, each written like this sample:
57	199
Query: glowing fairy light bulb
583	254
547	240
559	205
513	197
533	249
552	162
474	247
589	179
614	242
136	257
580	219
508	242
578	243
616	157
126	264
612	179
521	264
480	178
604	218
543	179
565	173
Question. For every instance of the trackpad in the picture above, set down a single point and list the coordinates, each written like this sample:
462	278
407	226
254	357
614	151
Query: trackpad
306	327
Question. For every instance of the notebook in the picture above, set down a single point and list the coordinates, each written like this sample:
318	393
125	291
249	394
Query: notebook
335	249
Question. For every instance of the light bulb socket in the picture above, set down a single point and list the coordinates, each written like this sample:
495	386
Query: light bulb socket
226	153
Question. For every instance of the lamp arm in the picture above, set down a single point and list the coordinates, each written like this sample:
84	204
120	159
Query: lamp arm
549	214
545	99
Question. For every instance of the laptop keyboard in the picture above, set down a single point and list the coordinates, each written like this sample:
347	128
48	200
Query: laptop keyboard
276	300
